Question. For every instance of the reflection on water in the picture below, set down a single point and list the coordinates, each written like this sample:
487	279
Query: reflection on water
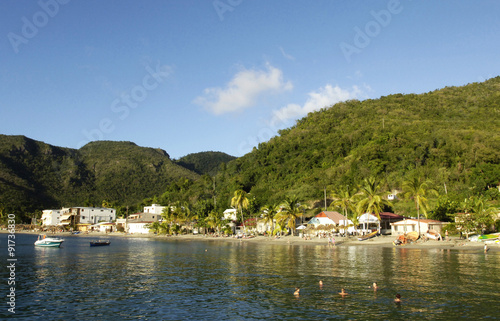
174	280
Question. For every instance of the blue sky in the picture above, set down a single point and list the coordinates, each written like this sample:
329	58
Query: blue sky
190	76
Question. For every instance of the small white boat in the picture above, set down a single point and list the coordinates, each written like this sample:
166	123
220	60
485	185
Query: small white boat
45	241
434	235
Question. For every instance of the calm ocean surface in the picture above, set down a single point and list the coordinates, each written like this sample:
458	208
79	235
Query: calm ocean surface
152	279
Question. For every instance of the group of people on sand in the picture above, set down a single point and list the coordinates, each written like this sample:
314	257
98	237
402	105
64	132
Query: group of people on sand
343	293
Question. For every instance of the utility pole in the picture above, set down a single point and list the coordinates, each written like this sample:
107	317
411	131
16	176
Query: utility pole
325	199
215	200
126	222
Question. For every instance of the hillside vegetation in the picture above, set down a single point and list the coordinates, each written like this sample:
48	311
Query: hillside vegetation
36	176
205	162
450	136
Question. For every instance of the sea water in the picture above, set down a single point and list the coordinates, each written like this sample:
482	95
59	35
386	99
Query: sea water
169	279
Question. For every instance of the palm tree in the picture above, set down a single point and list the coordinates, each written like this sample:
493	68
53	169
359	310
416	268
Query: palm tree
177	214
213	220
290	211
482	214
240	201
280	227
371	197
356	214
345	199
155	227
269	212
416	189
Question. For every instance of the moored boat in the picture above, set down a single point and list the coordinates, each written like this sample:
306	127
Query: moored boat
99	243
45	241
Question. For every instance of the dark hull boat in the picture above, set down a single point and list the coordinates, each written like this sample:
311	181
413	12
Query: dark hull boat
99	243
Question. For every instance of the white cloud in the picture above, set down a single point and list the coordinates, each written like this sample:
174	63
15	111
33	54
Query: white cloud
323	97
243	90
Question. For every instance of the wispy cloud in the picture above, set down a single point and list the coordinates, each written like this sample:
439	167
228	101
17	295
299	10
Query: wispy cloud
287	56
243	90
323	97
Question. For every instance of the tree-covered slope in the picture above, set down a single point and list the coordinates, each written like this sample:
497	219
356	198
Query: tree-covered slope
36	176
128	173
205	162
450	135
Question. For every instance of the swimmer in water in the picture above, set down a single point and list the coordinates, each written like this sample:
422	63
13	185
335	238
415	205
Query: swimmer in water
297	291
343	292
398	298
375	286
320	283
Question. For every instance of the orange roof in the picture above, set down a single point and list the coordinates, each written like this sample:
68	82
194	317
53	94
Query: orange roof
334	216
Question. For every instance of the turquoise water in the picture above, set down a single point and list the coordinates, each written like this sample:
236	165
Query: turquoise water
153	279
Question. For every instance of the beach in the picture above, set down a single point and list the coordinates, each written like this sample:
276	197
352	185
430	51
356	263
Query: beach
378	241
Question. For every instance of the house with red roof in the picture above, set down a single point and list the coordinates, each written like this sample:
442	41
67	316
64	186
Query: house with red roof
332	218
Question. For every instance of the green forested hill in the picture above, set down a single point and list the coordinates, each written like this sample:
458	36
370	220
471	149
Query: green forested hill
205	162
35	175
450	135
126	173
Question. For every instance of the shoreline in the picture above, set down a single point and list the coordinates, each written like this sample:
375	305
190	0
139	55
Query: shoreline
379	241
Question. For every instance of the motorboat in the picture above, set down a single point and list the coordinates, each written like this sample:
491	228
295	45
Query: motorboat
45	241
99	243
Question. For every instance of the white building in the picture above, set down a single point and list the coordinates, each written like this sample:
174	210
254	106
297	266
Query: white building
51	217
139	227
230	214
138	223
410	225
86	215
154	208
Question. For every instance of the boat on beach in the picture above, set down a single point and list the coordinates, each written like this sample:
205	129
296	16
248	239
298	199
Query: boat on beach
412	236
45	241
434	235
368	236
406	238
488	237
99	243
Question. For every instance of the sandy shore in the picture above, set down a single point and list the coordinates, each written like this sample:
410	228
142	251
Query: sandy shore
380	241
